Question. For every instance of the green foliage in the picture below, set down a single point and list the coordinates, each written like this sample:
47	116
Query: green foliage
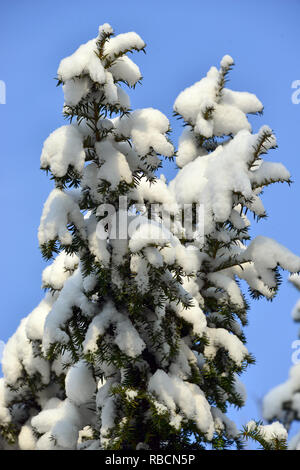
256	435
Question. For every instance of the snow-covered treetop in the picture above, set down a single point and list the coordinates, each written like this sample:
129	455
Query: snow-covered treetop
102	61
126	144
205	104
212	110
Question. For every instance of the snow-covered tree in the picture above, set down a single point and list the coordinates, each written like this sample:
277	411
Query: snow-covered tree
283	401
138	343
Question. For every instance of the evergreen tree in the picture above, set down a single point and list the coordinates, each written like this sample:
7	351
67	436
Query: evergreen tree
138	343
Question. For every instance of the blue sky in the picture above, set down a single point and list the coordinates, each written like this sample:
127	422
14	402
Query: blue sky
183	40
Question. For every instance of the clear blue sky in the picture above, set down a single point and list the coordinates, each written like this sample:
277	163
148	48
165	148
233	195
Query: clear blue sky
184	38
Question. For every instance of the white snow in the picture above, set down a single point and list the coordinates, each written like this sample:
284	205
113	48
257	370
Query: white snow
63	148
59	422
228	115
147	128
59	210
270	431
123	43
75	89
287	392
266	254
71	295
188	149
27	439
36	319
114	167
19	353
193	315
97	239
227	61
83	61
59	271
221	338
175	392
80	383
222	422
126	336
212	180
125	69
